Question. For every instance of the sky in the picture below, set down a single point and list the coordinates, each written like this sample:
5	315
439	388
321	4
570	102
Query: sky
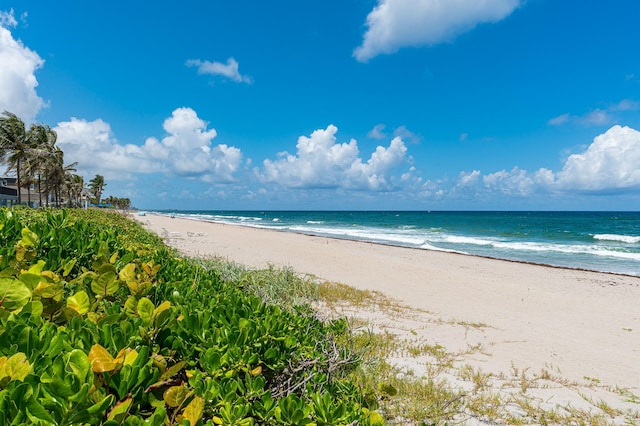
336	104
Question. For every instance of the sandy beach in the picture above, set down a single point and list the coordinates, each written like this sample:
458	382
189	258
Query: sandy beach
581	327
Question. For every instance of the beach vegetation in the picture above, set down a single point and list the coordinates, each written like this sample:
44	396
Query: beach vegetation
101	323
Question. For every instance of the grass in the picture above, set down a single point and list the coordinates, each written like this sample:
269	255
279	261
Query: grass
433	386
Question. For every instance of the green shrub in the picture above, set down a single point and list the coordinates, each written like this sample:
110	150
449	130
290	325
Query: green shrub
100	323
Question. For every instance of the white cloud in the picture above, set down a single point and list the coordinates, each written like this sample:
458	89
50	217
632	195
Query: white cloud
185	151
18	65
406	134
611	162
561	119
377	132
7	19
394	24
598	116
320	162
229	70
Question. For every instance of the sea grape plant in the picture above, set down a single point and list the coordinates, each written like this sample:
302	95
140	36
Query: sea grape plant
101	323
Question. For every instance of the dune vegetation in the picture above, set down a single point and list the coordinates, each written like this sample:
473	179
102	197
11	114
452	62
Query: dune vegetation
102	323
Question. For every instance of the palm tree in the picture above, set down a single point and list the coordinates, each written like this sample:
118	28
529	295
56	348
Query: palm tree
15	145
44	149
96	185
74	187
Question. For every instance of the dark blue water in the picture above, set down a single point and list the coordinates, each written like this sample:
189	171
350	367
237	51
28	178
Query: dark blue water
600	241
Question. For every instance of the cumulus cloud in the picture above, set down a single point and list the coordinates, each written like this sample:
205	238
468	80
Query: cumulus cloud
229	70
18	65
394	24
321	162
186	150
609	163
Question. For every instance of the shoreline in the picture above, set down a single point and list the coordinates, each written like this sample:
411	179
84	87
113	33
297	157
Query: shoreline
582	325
309	234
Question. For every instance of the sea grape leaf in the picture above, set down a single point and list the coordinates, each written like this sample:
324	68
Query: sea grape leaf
104	267
37	413
193	411
128	273
101	360
85	416
31	280
126	356
173	370
145	310
78	364
16	367
130	306
34	307
120	411
49	290
150	269
68	266
37	267
79	302
175	396
29	238
14	294
105	284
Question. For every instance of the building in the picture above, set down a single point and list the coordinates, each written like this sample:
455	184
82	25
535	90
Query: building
9	193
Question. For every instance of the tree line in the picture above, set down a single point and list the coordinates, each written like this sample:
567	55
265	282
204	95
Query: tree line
32	154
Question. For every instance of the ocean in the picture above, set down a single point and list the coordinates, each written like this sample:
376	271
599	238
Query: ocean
598	241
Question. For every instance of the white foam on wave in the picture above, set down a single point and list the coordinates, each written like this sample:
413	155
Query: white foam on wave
614	237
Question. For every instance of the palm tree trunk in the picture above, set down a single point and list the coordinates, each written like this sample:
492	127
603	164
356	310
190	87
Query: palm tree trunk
39	191
18	182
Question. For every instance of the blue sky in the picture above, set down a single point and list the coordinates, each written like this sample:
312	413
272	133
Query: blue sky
349	104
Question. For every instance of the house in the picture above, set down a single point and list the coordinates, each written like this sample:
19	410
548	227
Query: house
9	193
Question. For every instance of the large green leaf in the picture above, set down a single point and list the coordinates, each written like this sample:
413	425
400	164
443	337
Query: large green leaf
16	367
78	364
79	302
145	310
175	396
14	294
105	284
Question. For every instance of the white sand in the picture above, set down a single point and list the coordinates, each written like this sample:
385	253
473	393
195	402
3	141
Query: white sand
581	326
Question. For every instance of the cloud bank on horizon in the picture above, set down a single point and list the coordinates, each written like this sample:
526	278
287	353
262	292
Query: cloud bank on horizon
184	145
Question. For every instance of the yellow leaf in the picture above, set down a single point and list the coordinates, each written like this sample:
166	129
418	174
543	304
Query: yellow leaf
194	410
101	360
16	367
79	302
113	258
175	396
128	273
37	268
256	371
126	356
163	307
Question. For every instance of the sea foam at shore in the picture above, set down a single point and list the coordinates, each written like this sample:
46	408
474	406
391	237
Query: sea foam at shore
599	241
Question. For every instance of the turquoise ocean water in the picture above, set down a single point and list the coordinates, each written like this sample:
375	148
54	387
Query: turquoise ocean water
600	241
